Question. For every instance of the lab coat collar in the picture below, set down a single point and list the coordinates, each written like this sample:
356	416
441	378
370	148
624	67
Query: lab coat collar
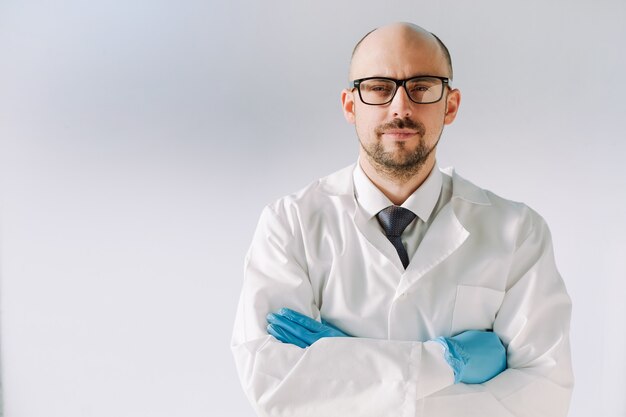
341	184
464	189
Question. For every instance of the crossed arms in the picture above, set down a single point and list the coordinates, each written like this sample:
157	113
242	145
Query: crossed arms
365	377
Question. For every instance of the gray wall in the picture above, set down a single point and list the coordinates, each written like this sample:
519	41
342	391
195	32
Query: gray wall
131	132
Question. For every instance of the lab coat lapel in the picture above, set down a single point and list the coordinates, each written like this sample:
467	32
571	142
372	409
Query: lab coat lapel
378	240
445	235
341	184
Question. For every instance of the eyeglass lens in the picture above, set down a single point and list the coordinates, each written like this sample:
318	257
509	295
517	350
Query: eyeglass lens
420	90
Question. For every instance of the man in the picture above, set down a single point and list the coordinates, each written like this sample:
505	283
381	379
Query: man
391	288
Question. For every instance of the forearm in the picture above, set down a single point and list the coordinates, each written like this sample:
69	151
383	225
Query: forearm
340	376
513	393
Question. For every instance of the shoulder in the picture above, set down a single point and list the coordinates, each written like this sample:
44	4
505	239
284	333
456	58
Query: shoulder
316	198
337	184
478	205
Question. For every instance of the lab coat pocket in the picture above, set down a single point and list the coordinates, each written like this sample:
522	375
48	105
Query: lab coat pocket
475	308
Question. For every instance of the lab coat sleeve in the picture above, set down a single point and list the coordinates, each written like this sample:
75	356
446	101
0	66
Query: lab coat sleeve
533	322
339	377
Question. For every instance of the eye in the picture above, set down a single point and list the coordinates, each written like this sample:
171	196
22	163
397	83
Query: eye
381	88
378	88
419	88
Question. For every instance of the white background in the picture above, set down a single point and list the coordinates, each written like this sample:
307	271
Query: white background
139	141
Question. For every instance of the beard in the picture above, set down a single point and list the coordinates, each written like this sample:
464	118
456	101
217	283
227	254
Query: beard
399	163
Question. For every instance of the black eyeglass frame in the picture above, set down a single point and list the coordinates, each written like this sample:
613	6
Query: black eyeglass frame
399	83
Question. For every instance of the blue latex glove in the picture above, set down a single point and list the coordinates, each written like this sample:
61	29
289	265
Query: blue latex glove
289	326
475	356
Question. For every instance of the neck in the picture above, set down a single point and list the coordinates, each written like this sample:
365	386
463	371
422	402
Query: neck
396	189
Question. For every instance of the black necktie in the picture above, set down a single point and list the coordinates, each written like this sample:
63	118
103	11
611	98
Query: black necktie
394	220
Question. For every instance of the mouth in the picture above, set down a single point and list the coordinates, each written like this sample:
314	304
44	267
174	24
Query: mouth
399	134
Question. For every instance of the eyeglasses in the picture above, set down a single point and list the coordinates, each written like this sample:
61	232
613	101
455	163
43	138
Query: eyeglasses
377	91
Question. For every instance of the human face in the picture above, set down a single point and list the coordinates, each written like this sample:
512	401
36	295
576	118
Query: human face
399	137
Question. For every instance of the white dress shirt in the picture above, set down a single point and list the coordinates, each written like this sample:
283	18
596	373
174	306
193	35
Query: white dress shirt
425	202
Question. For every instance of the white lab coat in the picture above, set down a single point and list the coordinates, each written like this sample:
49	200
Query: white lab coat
484	263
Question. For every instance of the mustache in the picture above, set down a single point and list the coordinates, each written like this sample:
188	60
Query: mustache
405	123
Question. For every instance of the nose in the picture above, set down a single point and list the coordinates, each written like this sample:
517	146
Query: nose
401	105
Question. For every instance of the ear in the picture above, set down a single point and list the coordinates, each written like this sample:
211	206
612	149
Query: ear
453	100
347	104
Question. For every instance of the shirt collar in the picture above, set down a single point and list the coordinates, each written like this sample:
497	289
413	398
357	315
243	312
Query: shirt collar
421	202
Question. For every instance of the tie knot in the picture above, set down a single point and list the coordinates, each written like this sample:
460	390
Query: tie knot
394	219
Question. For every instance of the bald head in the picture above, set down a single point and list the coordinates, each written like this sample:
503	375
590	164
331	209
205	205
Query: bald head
397	39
